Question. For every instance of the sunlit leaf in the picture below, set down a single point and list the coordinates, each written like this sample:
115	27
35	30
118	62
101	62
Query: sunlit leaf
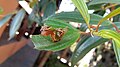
82	7
84	46
109	34
5	19
117	52
93	2
16	23
45	42
87	43
110	15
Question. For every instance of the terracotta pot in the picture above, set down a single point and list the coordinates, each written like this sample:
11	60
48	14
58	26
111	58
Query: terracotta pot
8	6
9	49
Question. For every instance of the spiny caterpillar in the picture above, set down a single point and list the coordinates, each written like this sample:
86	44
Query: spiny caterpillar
56	34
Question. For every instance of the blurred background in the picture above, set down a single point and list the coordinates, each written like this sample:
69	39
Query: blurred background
20	52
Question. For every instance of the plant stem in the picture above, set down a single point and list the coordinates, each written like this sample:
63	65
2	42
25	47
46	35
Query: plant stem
84	33
111	5
64	53
89	27
98	25
44	59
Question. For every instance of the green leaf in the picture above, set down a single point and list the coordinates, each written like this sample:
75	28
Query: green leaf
50	9
1	10
110	15
117	52
82	7
84	46
116	18
87	43
42	4
16	23
109	34
5	19
45	42
34	16
93	2
76	17
95	7
82	40
83	27
32	3
101	12
117	24
110	26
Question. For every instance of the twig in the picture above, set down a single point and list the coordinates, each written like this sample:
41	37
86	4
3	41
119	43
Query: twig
113	23
98	26
92	26
44	59
33	28
111	5
115	27
42	53
64	53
